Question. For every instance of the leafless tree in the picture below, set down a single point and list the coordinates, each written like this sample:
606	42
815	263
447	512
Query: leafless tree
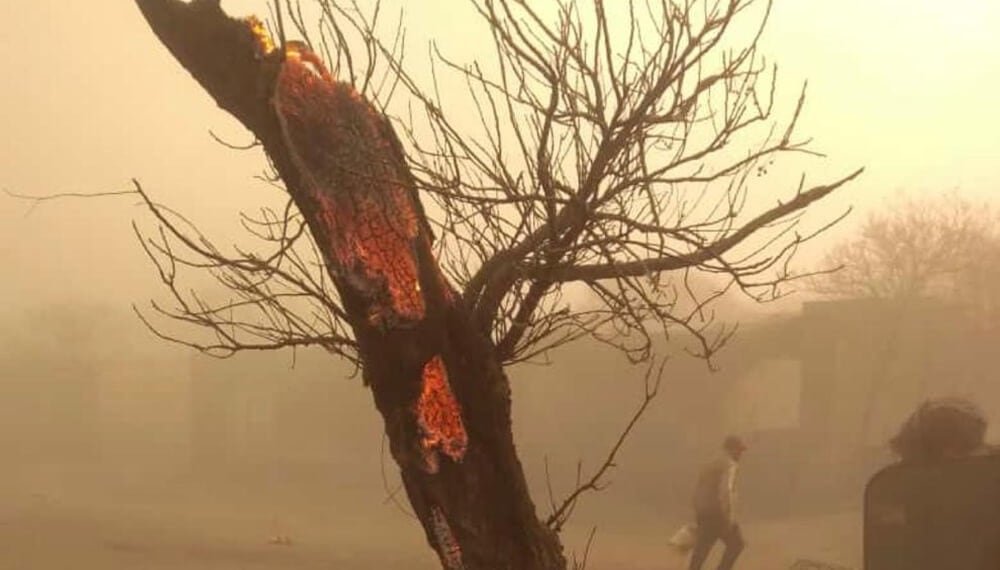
619	158
914	248
942	247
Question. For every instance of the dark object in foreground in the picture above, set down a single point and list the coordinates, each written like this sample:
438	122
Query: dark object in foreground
940	429
934	515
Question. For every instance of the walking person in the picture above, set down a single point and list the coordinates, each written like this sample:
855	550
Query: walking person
715	507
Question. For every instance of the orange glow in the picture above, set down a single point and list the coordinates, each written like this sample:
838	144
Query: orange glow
370	243
265	44
439	417
300	53
356	177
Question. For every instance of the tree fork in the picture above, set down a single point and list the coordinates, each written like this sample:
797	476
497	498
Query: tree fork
435	376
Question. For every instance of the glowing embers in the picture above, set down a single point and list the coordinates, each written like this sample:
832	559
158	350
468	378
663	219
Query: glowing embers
298	52
265	44
439	417
373	248
448	549
367	208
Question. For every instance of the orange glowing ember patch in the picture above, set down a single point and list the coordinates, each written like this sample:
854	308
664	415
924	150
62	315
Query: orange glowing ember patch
265	44
298	52
373	245
439	417
349	166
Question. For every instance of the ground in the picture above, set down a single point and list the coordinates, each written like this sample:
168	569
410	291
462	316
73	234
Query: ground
52	528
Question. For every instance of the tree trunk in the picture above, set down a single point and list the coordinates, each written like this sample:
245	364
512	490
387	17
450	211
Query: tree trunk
434	374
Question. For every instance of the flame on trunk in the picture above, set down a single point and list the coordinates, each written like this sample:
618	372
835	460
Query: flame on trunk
265	44
369	246
368	208
369	217
439	417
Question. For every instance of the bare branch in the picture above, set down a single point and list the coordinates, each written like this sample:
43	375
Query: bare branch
943	246
705	253
652	380
37	200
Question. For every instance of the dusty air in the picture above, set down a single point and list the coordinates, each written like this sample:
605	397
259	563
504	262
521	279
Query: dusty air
492	284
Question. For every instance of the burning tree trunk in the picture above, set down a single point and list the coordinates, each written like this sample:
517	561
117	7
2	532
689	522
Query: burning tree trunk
435	376
628	174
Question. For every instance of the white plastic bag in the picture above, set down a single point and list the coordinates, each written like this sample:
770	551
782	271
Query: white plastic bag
683	540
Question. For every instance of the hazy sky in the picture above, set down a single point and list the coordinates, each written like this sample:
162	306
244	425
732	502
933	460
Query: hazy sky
91	99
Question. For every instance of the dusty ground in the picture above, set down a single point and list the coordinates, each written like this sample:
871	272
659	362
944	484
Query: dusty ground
45	533
42	531
142	520
139	521
772	545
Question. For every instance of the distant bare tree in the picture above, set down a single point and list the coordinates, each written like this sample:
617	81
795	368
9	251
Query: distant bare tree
942	247
620	159
930	247
977	284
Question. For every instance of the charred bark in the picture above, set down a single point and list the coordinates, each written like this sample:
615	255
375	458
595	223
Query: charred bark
435	376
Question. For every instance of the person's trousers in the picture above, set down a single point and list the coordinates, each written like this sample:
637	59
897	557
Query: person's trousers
713	527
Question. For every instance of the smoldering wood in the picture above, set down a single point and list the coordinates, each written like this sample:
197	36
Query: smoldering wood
345	170
490	292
